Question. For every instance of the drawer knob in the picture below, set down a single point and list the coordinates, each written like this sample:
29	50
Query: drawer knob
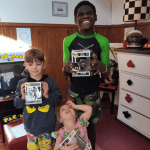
130	64
129	82
128	98
126	114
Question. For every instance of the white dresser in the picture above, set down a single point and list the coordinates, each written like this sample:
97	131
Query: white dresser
134	92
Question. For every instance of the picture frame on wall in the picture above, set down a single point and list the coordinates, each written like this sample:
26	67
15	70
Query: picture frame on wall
60	9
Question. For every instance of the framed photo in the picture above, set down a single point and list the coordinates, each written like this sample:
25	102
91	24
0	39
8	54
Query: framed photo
60	9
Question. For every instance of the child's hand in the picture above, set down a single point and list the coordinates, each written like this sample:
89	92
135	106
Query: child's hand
23	91
68	66
71	104
71	147
45	88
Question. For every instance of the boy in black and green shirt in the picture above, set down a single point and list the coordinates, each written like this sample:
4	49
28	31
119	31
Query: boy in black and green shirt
86	89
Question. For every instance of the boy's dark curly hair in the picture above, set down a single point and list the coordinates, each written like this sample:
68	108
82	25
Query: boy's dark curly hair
82	3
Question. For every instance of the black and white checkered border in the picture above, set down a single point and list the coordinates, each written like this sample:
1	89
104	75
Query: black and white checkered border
136	10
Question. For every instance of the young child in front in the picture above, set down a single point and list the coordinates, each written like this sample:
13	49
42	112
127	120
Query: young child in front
69	120
39	119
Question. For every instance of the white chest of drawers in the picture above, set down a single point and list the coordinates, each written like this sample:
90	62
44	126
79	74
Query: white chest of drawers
134	92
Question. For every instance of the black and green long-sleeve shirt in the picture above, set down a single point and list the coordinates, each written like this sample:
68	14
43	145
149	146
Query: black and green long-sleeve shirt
99	46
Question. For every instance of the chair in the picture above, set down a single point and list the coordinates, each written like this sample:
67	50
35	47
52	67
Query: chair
13	143
112	90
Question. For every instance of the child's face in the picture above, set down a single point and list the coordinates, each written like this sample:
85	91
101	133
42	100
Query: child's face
85	18
35	68
66	113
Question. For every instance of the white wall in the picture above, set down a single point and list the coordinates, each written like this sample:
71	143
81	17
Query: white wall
103	10
34	11
117	12
40	11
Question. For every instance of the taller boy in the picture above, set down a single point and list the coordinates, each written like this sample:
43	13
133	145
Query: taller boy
86	89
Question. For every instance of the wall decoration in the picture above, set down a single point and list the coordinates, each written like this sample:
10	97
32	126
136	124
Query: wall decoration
24	36
60	9
11	57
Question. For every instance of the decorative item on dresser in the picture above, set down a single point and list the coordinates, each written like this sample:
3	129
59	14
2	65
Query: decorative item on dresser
135	10
134	92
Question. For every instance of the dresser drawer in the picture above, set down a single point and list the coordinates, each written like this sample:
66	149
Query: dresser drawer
141	63
140	85
138	103
136	121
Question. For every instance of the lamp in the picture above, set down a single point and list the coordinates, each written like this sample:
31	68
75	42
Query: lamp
135	10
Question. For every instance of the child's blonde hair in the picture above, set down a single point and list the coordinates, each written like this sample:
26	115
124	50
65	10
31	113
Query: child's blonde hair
35	54
60	125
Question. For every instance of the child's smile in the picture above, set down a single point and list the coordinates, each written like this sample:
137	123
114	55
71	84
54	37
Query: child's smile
85	19
35	69
86	22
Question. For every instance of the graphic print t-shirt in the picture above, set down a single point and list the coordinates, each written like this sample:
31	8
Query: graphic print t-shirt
99	45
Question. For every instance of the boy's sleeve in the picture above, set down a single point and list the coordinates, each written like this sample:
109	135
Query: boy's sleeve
18	102
55	96
105	52
66	52
104	44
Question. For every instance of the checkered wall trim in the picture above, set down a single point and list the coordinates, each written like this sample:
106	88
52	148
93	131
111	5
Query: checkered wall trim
136	10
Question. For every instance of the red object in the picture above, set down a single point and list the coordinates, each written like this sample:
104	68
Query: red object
130	64
124	44
0	129
108	87
128	98
13	143
5	100
147	45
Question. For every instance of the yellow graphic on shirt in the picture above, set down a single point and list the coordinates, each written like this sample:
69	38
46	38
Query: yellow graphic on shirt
44	108
30	110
